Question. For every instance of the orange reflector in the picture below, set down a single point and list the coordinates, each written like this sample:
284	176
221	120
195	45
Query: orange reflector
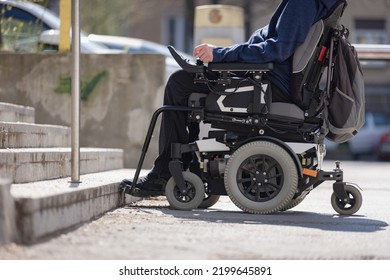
309	172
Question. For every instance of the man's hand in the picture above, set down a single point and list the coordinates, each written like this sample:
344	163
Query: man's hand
204	52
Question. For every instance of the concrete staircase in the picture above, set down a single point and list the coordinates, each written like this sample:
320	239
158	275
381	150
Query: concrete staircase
37	198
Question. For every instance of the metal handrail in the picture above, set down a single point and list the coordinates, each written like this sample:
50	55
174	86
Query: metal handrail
75	130
373	51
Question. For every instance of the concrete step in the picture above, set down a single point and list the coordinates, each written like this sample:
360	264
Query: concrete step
43	209
16	113
28	135
36	164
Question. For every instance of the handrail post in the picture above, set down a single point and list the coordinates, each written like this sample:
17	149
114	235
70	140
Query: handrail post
75	130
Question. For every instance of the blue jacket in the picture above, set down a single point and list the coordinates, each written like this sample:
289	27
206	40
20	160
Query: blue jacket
277	41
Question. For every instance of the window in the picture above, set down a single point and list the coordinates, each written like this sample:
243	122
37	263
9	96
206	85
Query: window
371	31
173	31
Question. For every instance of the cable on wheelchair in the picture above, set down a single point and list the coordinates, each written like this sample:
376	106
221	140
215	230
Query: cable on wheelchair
277	131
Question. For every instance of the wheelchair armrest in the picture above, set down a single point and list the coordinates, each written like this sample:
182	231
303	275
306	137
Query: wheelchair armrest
243	67
186	65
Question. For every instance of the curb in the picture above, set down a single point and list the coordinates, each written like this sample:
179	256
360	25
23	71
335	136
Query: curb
47	208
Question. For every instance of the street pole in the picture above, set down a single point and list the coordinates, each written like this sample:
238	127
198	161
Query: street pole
75	130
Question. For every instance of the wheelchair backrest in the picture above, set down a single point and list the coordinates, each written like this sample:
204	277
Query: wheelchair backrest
311	58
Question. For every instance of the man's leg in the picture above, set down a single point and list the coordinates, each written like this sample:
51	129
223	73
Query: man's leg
174	124
173	129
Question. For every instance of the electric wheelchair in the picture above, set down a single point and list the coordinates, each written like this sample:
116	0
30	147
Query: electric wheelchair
266	156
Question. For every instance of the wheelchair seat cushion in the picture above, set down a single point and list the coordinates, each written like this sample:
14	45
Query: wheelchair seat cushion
278	110
286	111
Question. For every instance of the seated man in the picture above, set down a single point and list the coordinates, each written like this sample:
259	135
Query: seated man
274	43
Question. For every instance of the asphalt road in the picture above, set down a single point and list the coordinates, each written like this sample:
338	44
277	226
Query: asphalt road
149	230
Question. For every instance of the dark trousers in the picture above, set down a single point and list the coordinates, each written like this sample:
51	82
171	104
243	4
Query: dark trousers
174	125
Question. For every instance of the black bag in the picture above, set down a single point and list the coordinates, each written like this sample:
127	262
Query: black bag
346	108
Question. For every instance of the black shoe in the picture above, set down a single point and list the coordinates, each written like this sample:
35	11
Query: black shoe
150	185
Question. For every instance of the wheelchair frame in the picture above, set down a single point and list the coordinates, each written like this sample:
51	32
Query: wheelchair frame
265	161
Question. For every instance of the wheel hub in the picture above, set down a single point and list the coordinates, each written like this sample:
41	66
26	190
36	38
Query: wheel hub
260	178
185	195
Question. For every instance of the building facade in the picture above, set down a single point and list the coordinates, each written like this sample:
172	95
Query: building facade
171	22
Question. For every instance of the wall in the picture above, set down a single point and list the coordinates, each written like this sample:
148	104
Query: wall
119	94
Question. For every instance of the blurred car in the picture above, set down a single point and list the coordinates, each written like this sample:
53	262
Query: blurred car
24	25
49	41
29	27
367	140
135	45
383	149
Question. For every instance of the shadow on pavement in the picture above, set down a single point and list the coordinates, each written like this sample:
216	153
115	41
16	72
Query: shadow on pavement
326	222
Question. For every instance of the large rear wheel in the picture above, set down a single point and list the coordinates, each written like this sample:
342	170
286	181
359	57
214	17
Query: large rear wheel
261	177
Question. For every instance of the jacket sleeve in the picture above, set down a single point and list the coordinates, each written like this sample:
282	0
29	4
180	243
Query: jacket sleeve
284	36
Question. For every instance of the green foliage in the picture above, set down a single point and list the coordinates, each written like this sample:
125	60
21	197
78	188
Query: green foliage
40	2
17	34
115	16
108	17
86	87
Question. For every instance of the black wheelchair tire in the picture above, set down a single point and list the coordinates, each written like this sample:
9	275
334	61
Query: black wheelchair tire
190	201
209	201
355	197
261	151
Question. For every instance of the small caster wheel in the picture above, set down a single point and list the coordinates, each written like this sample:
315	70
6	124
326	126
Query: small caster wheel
208	201
351	206
192	197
